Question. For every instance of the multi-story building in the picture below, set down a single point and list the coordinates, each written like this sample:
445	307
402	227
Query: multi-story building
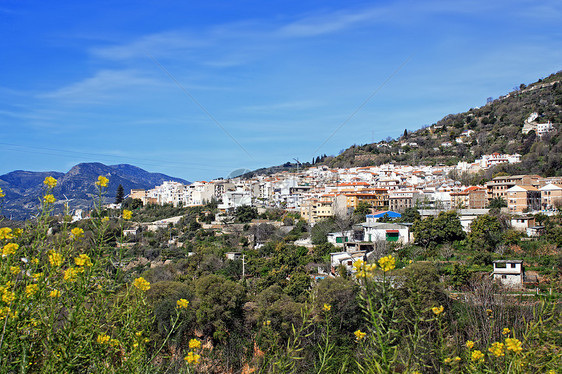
551	196
522	199
400	200
498	186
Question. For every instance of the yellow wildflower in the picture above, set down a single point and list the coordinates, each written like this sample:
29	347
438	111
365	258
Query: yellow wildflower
138	333
6	233
35	260
49	199
387	263
359	335
448	360
513	345
327	307
36	276
50	182
9	249
2	194
456	359
127	214
54	294
469	344
8	296
15	270
105	219
102	181
77	233
267	323
102	339
182	303
506	331
477	355
192	358
489	312
135	345
83	260
438	310
142	284
4	311
70	275
114	342
497	349
358	265
55	258
31	290
194	344
18	232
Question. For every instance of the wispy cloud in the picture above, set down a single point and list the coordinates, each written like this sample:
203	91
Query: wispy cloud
103	86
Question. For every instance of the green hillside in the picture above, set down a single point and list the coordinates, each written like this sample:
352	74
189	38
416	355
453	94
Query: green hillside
497	127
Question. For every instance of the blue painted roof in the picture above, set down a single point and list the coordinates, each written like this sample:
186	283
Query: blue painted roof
390	213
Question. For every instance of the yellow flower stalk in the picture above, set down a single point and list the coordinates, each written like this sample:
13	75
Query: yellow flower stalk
77	233
437	310
54	294
469	344
327	307
387	263
103	339
506	331
83	260
2	194
192	358
513	345
31	290
102	181
49	199
194	344
359	335
477	356
8	296
127	214
497	349
71	274
9	249
6	233
15	270
182	303
142	284
55	258
50	182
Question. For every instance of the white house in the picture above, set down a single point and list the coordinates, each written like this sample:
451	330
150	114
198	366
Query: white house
390	232
346	259
338	238
509	272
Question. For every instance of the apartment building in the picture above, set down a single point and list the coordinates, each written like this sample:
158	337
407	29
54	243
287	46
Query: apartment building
522	199
551	196
498	186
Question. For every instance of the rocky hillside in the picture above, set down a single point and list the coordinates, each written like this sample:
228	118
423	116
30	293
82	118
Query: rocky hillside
24	188
494	127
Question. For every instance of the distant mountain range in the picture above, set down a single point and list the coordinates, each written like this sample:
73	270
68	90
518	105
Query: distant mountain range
23	189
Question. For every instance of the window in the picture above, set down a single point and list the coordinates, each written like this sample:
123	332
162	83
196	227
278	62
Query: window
504	276
513	266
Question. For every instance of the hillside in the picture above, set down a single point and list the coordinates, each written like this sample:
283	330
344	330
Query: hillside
496	127
23	188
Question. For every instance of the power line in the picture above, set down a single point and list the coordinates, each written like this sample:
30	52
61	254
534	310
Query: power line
68	153
181	87
364	103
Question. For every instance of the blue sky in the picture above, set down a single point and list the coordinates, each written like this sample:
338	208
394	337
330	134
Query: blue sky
198	89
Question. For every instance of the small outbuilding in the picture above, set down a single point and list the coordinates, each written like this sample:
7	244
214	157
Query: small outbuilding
510	273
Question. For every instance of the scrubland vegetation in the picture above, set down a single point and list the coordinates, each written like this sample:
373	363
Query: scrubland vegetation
84	297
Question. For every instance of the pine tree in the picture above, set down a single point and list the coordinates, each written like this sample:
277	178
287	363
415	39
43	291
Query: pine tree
119	195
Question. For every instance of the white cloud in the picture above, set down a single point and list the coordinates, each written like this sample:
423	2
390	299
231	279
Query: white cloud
103	86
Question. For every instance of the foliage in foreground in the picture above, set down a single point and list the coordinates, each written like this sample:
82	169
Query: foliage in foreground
67	305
